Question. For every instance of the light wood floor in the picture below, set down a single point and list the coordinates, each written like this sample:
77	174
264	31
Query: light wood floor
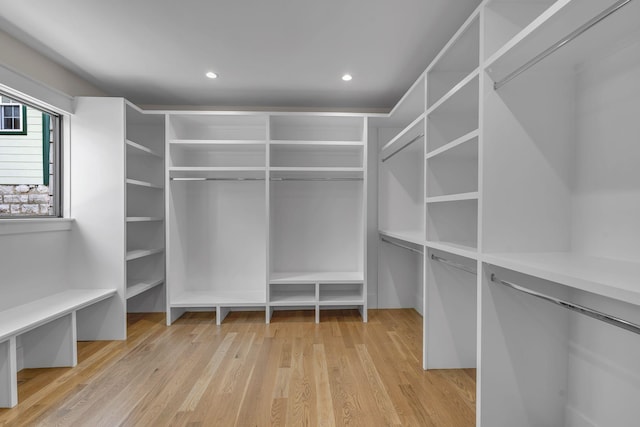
292	372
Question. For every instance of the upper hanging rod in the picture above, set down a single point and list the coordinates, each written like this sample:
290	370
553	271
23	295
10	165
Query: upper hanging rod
409	248
217	179
612	320
384	159
452	264
604	14
317	179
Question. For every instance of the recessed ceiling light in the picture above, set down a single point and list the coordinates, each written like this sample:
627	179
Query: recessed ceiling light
211	75
347	77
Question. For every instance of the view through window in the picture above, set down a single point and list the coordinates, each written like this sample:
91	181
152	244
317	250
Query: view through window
29	136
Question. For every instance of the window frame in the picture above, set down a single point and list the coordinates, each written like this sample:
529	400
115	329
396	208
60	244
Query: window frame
56	155
23	116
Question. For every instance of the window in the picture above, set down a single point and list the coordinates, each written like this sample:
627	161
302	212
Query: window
29	160
13	117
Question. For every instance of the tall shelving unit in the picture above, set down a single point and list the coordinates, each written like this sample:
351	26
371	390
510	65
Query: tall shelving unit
216	210
452	197
452	194
401	137
117	199
529	188
145	261
560	215
317	214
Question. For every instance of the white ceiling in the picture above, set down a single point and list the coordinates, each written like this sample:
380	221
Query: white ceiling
278	53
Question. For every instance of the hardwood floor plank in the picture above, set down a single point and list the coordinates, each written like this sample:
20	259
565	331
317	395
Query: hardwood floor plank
378	387
201	384
292	372
324	403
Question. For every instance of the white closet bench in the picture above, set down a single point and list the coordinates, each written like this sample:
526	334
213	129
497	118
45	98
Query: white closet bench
47	330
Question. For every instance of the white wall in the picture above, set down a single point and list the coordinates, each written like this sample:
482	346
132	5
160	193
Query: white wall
22	59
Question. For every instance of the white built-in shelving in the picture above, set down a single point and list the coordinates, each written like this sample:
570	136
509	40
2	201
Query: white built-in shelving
317	210
144	165
560	197
216	210
401	137
244	190
528	178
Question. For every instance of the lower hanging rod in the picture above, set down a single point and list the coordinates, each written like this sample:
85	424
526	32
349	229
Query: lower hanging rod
453	264
384	159
560	43
217	179
409	248
607	318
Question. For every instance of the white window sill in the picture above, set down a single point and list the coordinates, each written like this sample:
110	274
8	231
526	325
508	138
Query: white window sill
34	225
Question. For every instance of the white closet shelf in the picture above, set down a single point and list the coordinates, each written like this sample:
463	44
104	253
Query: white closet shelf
208	144
557	22
453	197
316	143
142	286
135	148
457	89
414	132
610	278
143	219
207	299
469	137
336	297
317	277
143	183
284	298
467	250
141	253
197	142
316	172
217	172
410	236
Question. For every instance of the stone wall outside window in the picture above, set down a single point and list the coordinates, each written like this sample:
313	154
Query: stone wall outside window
25	200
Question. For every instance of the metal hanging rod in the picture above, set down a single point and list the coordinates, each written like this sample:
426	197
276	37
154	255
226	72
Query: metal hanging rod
384	159
612	320
217	179
453	264
575	34
409	248
317	179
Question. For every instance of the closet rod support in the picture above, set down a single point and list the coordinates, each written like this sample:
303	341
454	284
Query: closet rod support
453	264
607	318
409	248
384	159
560	43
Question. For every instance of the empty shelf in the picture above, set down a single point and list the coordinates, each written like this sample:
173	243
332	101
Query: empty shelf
195	299
610	278
284	298
467	251
317	277
412	236
335	297
453	197
142	286
142	183
141	253
135	148
143	219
